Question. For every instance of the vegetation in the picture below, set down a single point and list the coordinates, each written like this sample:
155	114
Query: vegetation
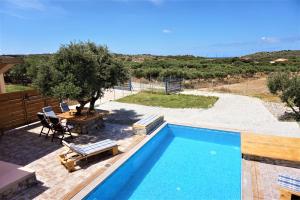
191	67
170	101
287	86
268	56
188	67
23	73
80	71
16	88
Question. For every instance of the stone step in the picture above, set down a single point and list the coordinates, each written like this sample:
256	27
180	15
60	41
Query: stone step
14	178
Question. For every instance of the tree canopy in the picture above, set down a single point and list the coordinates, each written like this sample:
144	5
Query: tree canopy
80	71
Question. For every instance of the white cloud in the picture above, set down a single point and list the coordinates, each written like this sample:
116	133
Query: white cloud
167	31
156	2
12	14
27	4
270	40
21	8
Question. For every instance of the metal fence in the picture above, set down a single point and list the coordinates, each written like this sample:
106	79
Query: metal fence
247	86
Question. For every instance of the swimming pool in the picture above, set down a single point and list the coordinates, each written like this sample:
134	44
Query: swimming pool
179	162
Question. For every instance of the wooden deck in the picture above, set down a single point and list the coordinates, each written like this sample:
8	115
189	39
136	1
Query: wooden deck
273	147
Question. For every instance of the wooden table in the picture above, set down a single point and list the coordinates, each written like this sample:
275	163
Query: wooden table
85	122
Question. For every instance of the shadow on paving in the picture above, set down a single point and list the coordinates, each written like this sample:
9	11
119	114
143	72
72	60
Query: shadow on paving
35	191
123	116
23	146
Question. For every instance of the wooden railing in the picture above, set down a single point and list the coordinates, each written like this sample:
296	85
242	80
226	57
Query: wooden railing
20	108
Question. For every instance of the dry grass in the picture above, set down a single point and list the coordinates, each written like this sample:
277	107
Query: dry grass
255	88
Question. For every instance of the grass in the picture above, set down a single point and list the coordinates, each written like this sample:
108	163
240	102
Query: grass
17	88
170	101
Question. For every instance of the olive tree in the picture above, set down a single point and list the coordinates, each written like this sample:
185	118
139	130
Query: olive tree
288	88
80	71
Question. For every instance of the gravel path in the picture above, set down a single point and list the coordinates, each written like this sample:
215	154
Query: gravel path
277	109
231	111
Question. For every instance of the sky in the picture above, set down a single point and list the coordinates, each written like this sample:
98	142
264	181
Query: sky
162	27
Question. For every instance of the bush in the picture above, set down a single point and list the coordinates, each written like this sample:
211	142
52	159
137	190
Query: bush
288	88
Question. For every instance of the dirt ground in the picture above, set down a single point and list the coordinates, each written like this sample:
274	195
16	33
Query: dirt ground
255	87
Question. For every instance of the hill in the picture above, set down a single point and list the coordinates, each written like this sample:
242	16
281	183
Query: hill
194	67
186	66
287	54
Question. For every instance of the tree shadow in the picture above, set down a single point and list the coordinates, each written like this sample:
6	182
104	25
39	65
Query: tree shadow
289	117
23	146
117	132
123	116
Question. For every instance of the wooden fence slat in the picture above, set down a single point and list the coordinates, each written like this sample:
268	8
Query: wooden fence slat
10	109
20	108
10	102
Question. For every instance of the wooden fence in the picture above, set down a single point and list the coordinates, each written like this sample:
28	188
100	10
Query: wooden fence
20	108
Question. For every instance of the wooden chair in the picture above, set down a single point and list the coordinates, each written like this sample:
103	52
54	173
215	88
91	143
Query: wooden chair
64	107
45	124
59	128
48	111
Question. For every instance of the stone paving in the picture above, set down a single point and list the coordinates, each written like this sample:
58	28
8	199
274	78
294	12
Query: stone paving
234	112
260	179
24	147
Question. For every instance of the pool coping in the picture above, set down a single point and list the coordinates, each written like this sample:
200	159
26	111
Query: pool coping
98	180
91	185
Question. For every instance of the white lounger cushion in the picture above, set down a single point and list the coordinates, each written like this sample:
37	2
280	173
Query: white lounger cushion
90	149
147	120
148	124
290	183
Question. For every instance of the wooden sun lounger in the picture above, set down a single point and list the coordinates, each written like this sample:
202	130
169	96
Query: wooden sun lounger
148	124
76	152
289	186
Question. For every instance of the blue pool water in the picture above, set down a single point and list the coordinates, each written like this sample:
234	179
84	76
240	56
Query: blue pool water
179	163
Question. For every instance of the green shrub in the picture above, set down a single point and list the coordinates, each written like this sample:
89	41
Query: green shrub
288	88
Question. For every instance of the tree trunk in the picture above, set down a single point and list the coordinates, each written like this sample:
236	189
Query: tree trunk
93	100
294	110
81	106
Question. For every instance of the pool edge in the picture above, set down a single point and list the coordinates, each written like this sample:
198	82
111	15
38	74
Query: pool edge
90	186
98	180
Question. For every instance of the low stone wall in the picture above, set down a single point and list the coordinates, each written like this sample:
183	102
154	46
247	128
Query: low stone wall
89	126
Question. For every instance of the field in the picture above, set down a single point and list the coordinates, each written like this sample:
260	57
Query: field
169	101
255	88
193	67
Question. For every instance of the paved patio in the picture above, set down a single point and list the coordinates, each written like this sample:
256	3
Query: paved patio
24	147
260	179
